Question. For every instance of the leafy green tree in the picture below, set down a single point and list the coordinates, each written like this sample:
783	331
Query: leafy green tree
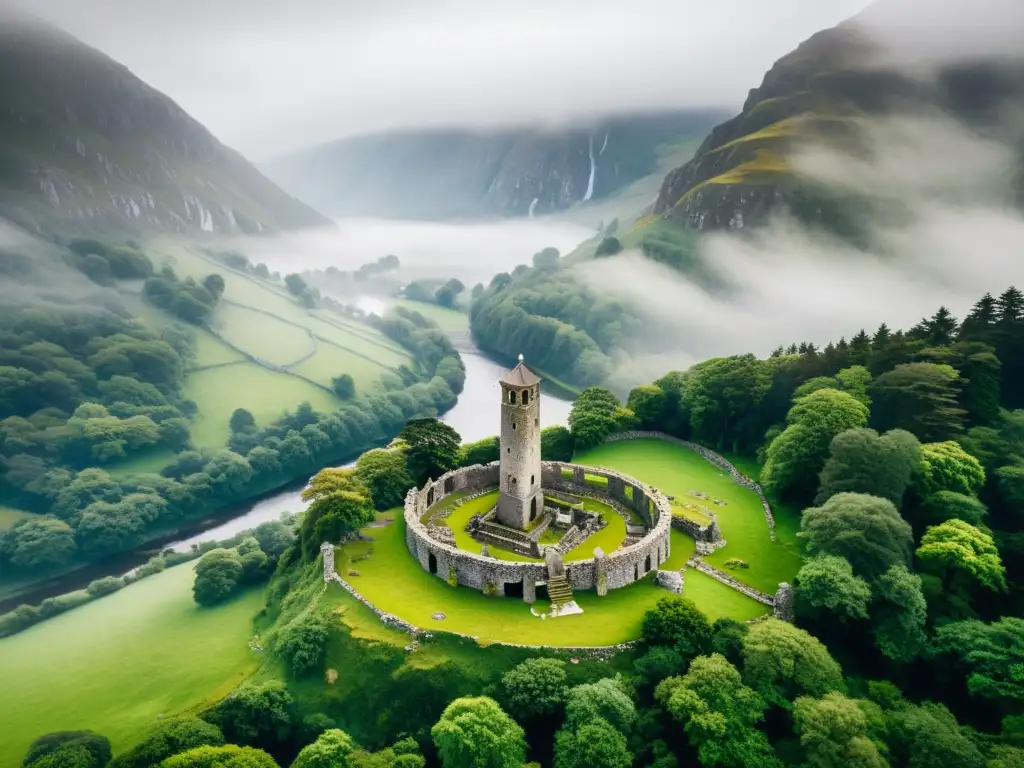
727	639
227	756
344	386
719	714
73	749
856	379
948	467
303	641
332	749
169	737
659	662
899	614
796	457
782	662
1010	485
481	452
961	554
476	733
594	744
648	403
826	586
861	461
607	699
39	542
833	733
610	246
255	714
218	574
722	396
593	417
445	296
556	444
866	530
535	687
928	735
941	506
384	473
340	505
546	258
921	398
678	623
214	284
432	448
989	656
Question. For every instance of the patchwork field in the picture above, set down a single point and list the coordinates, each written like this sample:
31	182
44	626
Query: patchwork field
677	471
394	581
450	320
267	394
117	664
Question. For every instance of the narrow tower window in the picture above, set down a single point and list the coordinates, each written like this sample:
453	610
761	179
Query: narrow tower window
526	397
512	397
513	425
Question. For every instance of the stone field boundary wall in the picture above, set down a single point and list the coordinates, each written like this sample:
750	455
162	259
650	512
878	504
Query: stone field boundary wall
498	577
711	456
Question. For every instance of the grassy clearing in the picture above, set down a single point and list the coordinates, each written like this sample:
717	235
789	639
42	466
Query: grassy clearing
609	538
212	351
261	335
450	320
677	470
146	463
267	394
9	516
329	361
394	581
119	663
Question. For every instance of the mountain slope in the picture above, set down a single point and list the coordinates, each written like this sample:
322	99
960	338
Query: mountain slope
437	173
86	145
822	93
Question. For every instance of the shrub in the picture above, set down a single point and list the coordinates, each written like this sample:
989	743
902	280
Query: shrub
81	749
105	586
453	578
735	562
301	642
20	618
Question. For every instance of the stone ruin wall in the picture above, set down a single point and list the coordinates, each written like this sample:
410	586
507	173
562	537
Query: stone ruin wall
488	575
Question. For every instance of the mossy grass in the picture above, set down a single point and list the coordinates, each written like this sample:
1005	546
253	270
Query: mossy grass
677	470
395	582
117	664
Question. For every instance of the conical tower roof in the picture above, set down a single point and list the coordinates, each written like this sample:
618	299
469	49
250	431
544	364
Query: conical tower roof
520	376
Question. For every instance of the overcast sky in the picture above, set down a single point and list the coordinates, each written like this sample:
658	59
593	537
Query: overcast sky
271	76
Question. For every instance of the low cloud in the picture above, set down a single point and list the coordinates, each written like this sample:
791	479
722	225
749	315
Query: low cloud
947	233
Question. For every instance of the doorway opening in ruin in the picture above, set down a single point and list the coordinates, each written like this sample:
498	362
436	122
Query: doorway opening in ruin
533	508
449	485
514	589
430	497
432	563
542	592
636	571
647	565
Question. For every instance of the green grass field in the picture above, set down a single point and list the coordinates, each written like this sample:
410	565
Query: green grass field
119	663
145	463
266	394
329	361
609	538
9	516
261	335
676	471
450	320
395	582
212	351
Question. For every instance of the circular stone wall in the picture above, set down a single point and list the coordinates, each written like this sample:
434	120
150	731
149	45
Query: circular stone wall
611	571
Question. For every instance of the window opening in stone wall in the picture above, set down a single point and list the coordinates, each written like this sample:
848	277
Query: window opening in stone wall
515	481
514	589
647	565
533	480
636	571
526	397
449	485
512	397
513	426
432	563
430	497
536	422
533	508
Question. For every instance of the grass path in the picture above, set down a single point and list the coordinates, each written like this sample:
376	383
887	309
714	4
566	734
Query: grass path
676	471
119	663
394	581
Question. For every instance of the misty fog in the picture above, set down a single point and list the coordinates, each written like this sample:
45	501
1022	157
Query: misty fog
946	235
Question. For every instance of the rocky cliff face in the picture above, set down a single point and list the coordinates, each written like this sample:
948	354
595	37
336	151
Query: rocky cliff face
86	145
822	93
452	173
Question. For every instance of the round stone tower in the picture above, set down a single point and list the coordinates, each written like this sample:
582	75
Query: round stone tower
520	499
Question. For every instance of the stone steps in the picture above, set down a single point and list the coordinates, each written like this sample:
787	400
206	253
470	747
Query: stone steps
559	591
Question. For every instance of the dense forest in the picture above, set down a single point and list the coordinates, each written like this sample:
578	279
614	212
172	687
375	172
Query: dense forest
905	452
85	386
